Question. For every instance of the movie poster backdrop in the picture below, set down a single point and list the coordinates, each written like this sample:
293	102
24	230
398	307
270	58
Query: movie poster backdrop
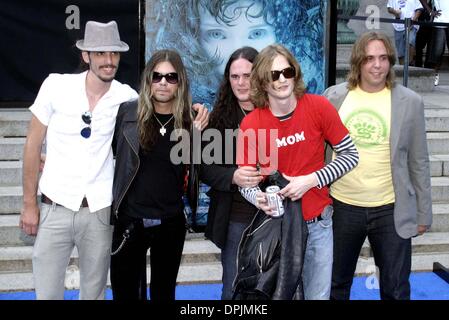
206	32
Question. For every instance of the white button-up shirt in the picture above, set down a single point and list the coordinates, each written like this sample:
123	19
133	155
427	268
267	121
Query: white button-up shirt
76	167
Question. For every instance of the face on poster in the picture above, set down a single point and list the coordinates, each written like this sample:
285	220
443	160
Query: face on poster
206	32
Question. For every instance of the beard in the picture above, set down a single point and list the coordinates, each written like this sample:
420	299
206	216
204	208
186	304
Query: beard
163	99
105	78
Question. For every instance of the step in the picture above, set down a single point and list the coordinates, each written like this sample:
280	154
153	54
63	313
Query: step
11	148
202	273
10	173
439	165
440	217
440	189
11	234
200	263
420	262
18	258
436	99
437	120
14	123
11	196
438	142
196	273
10	199
429	242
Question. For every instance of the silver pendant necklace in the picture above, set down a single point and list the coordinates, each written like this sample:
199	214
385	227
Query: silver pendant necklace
162	130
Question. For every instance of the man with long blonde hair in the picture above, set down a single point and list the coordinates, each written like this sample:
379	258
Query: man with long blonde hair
387	197
302	122
148	184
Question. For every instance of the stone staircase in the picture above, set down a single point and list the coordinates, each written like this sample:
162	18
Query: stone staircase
201	259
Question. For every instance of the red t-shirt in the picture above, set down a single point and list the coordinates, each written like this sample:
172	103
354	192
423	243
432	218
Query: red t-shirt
299	143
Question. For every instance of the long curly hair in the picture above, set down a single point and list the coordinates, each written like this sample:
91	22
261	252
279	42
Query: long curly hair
148	131
226	108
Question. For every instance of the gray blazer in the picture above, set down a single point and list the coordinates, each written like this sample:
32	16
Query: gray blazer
409	157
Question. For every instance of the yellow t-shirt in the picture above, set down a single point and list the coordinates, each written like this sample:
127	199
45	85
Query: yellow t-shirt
368	119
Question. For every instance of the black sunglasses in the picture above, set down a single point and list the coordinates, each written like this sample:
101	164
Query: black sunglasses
171	77
287	72
87	119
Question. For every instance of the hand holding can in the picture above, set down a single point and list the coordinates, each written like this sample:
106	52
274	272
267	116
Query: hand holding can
274	201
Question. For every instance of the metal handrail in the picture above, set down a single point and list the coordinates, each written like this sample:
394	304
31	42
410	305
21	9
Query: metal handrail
408	22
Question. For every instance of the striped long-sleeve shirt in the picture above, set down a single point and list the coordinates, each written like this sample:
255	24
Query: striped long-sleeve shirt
346	159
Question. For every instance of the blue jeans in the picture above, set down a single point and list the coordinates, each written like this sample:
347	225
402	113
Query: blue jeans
317	270
229	257
440	38
392	254
399	41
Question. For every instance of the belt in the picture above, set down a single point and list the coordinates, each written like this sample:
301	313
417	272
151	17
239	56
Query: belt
45	199
318	218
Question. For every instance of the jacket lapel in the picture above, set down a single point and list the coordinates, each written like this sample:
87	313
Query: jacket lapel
398	108
130	131
339	95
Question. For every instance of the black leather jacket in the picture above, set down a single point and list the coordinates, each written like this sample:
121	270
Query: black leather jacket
271	255
127	164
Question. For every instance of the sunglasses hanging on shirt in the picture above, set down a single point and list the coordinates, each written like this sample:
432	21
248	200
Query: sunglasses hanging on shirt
87	119
288	73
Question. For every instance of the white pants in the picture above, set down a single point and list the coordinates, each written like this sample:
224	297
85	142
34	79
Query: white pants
60	230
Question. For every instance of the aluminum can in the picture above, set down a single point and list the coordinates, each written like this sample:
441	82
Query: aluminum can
275	201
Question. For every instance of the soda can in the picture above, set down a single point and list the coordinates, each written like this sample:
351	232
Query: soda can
275	201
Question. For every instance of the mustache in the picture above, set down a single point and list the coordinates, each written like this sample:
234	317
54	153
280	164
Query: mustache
109	66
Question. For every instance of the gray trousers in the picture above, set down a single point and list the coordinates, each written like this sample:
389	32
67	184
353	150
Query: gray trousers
60	230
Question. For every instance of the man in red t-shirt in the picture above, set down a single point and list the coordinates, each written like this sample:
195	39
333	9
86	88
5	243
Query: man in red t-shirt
287	132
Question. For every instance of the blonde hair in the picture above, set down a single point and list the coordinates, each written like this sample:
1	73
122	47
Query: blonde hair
358	58
261	74
181	105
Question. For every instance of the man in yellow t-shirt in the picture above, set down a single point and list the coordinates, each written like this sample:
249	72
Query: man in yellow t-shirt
387	196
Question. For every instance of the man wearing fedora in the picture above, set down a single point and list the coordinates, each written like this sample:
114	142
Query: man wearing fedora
75	114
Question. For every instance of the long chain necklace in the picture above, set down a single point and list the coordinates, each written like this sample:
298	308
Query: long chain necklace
244	113
243	110
162	130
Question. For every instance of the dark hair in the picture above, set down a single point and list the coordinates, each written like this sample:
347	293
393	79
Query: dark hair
226	109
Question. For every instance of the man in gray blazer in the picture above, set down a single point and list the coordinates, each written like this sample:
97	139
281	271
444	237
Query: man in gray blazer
387	196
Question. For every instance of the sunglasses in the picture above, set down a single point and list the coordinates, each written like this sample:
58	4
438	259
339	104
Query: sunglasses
171	77
87	119
287	72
